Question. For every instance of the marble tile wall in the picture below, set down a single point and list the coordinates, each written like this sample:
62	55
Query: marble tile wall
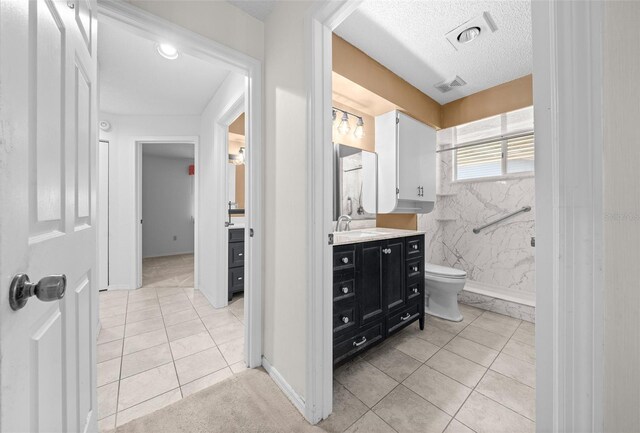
499	256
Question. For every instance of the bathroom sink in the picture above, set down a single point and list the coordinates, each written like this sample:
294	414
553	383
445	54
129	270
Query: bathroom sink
358	234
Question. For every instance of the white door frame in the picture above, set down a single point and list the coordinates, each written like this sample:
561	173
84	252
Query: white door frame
147	24
139	141
569	195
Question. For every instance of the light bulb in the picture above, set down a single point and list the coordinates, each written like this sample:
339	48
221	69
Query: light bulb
359	131
344	126
167	51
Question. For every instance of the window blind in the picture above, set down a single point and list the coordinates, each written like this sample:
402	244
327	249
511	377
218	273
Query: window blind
520	153
484	160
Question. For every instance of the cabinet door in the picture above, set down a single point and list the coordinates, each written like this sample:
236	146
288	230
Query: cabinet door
393	281
369	291
427	161
410	143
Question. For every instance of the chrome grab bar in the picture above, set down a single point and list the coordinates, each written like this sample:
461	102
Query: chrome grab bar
523	209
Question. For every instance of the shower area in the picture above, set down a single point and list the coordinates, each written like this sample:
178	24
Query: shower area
485	174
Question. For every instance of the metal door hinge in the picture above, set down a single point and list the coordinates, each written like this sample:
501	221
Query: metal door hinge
397	120
250	233
533	241
330	238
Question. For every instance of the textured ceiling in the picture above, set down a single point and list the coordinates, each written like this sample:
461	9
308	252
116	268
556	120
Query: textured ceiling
169	150
408	37
136	80
259	9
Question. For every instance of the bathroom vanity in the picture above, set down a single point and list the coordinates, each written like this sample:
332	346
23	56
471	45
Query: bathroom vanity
236	261
378	287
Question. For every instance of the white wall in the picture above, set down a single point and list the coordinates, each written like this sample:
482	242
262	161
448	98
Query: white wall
217	20
167	205
281	46
286	233
622	217
212	162
122	180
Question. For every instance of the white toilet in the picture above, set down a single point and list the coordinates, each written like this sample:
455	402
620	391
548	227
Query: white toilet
442	287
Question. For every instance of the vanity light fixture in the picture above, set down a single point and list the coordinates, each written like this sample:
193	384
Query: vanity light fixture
167	51
237	158
469	34
344	127
359	132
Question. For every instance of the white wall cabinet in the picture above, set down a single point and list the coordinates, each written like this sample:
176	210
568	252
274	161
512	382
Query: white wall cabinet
406	151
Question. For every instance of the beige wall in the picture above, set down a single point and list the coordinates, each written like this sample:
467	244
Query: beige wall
496	100
364	75
356	66
368	142
622	217
236	141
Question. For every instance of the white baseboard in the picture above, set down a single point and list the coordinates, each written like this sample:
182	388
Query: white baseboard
120	287
293	396
517	296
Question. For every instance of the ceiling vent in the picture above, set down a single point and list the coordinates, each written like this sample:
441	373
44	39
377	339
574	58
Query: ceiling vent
467	34
448	85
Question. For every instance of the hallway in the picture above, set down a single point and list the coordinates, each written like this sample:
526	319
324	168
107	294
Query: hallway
163	342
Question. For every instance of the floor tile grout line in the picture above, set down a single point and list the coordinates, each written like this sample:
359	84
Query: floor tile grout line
479	381
121	360
173	359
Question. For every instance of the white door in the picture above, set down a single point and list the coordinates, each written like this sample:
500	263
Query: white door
48	149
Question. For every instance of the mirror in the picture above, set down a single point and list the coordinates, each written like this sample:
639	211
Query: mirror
355	180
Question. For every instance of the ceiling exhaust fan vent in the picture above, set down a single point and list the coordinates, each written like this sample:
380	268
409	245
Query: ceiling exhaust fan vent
448	85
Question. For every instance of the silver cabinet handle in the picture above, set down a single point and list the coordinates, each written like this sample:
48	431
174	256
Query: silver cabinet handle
405	317
361	342
345	290
415	246
240	254
414	268
50	288
239	278
345	260
345	319
415	290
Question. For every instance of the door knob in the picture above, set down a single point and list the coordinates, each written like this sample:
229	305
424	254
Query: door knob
50	288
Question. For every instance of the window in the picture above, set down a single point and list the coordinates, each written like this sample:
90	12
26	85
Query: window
492	147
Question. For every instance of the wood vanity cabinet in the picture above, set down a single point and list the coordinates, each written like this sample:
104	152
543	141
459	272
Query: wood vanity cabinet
236	261
378	289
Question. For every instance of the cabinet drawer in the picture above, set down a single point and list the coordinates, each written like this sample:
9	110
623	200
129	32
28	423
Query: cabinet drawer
344	317
414	270
236	254
236	278
415	290
344	289
402	318
357	342
343	259
415	247
236	235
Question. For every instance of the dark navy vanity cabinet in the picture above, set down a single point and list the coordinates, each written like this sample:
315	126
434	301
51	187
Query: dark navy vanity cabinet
378	289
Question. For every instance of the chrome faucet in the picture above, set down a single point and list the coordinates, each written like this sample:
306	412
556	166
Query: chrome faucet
347	218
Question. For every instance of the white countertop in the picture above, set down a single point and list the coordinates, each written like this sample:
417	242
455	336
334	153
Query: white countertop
236	225
371	234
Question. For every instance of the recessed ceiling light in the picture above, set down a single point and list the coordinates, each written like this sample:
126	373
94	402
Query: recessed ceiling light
467	35
167	51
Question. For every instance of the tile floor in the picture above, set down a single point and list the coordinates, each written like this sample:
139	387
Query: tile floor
163	342
477	375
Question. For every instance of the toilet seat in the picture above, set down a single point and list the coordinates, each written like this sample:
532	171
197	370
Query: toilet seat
443	271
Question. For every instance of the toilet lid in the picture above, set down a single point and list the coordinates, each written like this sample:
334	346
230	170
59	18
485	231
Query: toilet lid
444	271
